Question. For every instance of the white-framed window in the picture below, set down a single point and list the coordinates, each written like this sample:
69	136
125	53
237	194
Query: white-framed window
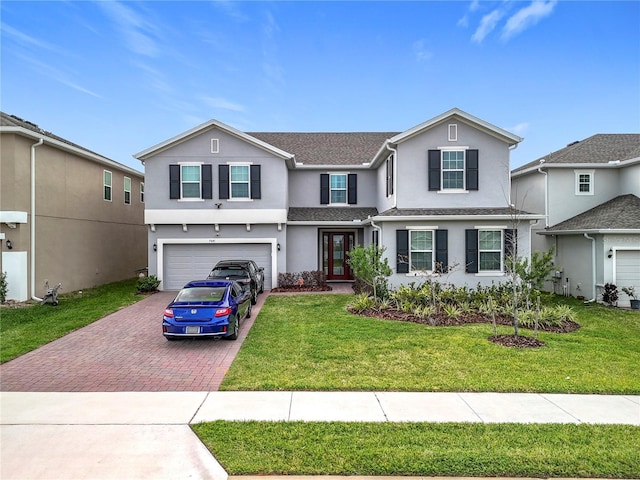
584	182
240	181
338	188
453	132
141	192
190	184
127	191
490	248
453	170
421	250
107	180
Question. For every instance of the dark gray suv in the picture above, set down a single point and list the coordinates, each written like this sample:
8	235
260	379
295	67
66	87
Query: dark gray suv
245	272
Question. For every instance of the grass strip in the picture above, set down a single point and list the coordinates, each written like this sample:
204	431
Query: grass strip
26	328
311	342
446	449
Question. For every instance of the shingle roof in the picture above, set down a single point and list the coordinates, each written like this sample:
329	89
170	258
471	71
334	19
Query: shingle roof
7	120
329	214
597	149
436	212
620	213
328	148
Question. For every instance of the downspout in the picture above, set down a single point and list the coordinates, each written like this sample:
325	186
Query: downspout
379	229
395	177
33	219
593	266
546	194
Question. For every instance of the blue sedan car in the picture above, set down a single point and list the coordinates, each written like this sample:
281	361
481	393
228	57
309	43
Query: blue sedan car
207	308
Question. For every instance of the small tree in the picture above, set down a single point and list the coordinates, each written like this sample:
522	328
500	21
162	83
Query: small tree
369	267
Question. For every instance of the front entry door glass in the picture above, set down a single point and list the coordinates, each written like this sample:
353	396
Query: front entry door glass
336	248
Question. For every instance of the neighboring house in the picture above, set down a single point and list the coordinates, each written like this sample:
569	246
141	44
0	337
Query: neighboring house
435	196
589	195
68	215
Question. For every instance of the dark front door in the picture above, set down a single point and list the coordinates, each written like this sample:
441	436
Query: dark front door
336	246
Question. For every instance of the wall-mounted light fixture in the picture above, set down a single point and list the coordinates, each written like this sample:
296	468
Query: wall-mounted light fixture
155	247
218	205
9	245
278	246
610	253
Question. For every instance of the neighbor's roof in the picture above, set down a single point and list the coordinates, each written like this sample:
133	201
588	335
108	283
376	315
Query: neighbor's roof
620	213
13	124
329	214
349	148
601	148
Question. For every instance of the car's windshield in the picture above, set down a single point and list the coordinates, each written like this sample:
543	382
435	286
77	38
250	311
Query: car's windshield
228	273
201	294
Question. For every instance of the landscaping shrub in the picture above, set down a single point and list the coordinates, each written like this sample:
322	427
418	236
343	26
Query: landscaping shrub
147	284
3	287
314	278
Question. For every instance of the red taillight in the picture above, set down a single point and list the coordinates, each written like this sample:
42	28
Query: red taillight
168	312
223	312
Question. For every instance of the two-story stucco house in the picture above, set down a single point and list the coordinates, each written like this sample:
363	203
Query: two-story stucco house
436	196
67	215
589	194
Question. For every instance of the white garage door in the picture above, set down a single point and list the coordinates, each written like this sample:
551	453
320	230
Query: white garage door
627	272
186	262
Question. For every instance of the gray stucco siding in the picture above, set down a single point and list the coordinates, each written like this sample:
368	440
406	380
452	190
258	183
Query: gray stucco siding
274	173
412	169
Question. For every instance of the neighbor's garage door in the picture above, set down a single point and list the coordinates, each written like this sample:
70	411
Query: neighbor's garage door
627	272
183	263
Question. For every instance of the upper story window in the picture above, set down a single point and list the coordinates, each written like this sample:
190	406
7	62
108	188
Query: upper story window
127	191
141	192
190	181
239	181
338	188
107	182
420	250
390	175
239	178
453	170
584	182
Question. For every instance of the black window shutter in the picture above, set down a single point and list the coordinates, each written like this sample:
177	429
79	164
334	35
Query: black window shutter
434	169
472	169
442	251
375	237
471	243
402	251
207	187
223	181
174	182
352	188
510	242
390	176
255	182
324	188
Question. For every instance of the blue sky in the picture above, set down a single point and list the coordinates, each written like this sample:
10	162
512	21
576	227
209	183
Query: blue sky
119	77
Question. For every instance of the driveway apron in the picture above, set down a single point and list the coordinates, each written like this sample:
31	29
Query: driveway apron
126	352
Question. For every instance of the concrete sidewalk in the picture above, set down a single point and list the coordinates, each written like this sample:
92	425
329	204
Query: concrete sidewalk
144	435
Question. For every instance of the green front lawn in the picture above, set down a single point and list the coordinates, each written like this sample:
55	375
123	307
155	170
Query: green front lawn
424	449
27	328
311	342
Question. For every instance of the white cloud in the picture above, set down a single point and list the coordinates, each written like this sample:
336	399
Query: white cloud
520	128
421	51
487	25
137	31
527	17
222	104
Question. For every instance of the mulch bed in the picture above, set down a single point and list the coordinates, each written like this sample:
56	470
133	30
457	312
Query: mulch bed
442	320
302	289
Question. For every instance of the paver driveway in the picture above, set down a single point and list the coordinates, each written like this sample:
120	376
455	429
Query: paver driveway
125	352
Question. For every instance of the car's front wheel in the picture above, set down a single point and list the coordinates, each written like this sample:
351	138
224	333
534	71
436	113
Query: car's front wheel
254	296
